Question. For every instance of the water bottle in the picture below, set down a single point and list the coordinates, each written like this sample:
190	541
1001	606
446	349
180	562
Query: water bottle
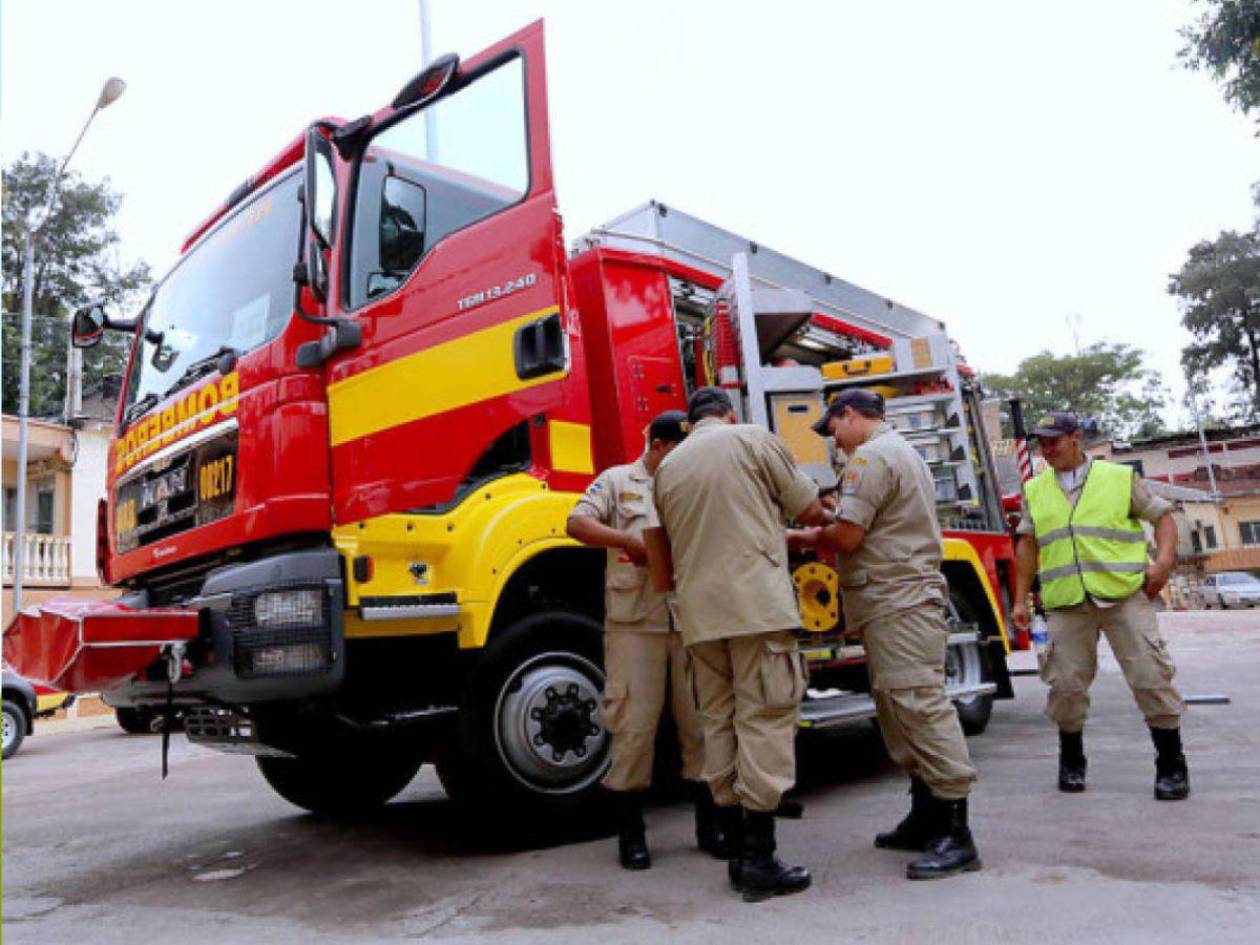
1039	631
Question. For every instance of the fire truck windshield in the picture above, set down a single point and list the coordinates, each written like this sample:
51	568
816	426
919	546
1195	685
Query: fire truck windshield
234	290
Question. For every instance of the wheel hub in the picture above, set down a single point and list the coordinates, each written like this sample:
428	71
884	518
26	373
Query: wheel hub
550	730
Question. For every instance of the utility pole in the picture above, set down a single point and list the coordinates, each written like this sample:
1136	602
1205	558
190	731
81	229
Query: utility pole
109	94
1198	425
426	57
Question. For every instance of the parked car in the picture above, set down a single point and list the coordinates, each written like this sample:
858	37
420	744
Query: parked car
1231	589
24	702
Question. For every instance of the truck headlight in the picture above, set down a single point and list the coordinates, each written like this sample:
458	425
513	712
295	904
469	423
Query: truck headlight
300	607
293	659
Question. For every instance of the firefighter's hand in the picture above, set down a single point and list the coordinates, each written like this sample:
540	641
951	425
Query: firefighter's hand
801	538
1157	574
634	548
1019	615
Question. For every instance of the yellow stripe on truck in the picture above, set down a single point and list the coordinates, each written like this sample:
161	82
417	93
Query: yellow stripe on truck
466	370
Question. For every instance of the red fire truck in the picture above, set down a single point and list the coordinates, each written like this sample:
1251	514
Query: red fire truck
338	489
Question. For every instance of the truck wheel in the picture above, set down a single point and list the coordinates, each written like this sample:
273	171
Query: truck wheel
967	664
14	728
341	784
531	730
134	721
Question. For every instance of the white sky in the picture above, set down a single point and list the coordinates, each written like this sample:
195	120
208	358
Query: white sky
1002	166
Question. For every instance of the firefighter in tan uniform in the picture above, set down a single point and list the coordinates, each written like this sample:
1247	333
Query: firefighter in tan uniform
643	652
888	546
1081	531
722	498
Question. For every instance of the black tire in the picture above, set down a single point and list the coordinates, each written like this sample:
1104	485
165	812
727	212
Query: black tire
969	663
342	784
134	721
15	725
530	735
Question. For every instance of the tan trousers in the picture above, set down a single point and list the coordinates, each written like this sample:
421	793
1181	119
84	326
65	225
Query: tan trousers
640	669
749	691
905	654
1070	661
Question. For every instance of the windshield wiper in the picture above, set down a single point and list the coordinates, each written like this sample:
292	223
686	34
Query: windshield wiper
139	407
203	366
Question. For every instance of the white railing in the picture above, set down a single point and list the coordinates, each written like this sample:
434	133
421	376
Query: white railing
46	560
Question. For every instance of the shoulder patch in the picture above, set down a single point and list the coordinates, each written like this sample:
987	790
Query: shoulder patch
595	486
851	481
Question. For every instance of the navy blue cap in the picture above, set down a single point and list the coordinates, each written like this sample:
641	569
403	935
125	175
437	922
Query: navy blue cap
853	397
670	426
1056	424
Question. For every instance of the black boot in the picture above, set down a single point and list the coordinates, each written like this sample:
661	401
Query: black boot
1172	777
952	850
758	874
631	835
1072	762
915	829
710	831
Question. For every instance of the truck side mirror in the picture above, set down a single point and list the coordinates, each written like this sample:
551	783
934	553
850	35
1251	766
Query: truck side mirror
87	325
321	187
320	199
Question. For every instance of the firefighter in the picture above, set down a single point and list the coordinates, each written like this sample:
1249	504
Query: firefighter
888	546
722	496
1081	532
643	652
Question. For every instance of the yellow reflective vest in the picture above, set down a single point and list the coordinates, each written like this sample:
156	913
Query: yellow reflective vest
1095	548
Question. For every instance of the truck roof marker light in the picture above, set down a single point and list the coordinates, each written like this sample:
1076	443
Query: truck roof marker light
428	84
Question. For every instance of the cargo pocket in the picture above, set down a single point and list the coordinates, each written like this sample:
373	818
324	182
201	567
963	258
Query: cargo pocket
782	675
1043	662
624	599
616	698
689	677
1157	650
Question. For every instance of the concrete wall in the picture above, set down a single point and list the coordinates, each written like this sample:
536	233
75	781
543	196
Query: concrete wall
88	488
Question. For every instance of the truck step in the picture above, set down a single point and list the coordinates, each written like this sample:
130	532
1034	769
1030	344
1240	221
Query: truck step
227	731
836	707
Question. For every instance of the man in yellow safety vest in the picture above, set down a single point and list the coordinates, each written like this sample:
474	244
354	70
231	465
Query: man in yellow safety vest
1081	533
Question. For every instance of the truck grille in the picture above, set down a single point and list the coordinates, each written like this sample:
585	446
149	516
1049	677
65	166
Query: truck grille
189	489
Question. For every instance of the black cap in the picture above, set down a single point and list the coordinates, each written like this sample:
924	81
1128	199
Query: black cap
1056	424
854	397
708	402
670	426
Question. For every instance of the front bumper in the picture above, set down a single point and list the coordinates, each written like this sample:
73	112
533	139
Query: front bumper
235	649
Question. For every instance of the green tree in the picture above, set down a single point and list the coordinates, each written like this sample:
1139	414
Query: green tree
1218	289
76	261
1105	382
1225	41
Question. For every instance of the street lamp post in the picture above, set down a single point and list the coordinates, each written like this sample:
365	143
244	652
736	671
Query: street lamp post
109	94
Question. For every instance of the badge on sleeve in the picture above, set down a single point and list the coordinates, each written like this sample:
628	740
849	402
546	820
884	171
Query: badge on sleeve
851	481
594	487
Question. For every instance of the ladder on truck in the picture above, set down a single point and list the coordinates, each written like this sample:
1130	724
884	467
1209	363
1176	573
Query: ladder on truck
802	335
840	335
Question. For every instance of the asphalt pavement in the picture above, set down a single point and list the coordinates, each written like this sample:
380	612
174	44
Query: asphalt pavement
97	848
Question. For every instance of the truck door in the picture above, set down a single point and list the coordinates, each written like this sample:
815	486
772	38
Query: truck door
450	259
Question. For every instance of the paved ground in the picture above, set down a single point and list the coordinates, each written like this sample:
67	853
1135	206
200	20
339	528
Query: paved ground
98	849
